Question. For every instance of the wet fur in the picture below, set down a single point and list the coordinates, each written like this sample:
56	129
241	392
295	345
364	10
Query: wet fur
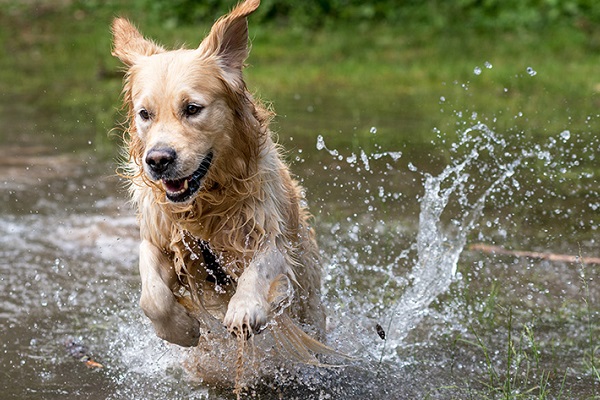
248	209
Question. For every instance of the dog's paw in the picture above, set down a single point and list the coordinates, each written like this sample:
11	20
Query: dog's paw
246	315
180	328
172	322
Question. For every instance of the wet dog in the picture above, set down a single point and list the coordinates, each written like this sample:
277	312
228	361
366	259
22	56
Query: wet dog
224	234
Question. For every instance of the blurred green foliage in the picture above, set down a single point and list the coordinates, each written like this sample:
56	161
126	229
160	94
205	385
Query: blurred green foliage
443	14
354	66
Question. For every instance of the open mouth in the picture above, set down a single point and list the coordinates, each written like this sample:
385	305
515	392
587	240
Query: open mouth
180	190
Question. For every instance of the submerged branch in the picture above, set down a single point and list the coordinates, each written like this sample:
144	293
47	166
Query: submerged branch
490	249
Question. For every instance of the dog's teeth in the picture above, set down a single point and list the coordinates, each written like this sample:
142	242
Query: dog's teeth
185	185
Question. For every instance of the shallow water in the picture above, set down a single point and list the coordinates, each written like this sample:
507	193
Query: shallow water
395	226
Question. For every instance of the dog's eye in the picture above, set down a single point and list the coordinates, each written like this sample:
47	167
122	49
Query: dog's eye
192	109
144	114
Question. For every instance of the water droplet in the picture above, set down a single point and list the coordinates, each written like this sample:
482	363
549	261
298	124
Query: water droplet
531	71
373	130
565	135
320	142
412	167
488	65
321	146
477	71
365	159
395	155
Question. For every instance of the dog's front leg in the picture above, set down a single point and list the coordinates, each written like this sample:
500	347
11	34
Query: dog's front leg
170	319
249	307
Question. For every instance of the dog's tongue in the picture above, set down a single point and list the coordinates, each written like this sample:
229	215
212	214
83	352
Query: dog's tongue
175	186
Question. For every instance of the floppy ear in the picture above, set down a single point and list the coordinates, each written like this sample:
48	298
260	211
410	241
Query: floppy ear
228	38
129	44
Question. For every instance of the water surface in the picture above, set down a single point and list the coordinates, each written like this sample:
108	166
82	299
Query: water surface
395	222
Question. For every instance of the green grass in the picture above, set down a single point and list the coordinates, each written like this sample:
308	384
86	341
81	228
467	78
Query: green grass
522	375
530	331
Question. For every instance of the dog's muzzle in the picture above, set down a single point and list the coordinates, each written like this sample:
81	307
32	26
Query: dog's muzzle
161	163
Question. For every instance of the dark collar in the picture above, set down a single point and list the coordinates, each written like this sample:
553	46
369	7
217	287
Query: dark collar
216	274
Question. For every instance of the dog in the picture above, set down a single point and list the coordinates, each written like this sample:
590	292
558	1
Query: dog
224	232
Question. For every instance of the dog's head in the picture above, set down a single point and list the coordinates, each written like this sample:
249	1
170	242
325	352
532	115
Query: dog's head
183	104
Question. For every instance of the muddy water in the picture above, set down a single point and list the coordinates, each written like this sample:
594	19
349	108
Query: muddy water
395	225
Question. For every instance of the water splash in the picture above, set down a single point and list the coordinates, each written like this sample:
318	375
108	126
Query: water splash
321	146
438	246
353	158
451	206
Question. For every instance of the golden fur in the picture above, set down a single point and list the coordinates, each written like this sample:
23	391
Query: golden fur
182	106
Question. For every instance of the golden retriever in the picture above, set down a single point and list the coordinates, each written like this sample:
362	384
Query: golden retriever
224	233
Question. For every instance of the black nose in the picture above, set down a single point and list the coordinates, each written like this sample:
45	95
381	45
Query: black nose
160	159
